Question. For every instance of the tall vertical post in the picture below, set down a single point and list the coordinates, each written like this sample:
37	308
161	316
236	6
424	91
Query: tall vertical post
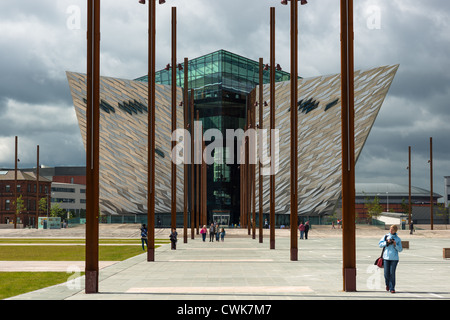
191	107
248	181
431	182
92	146
253	175
409	184
204	182
151	131
174	115
198	138
272	127
15	182
294	134
37	187
186	147
260	127
348	147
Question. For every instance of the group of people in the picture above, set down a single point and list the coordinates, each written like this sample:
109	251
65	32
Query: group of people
304	229
214	232
173	237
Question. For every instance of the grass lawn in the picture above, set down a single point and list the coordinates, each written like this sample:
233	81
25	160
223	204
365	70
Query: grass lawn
66	253
15	283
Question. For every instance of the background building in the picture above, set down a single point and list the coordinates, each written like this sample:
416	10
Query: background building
392	197
27	188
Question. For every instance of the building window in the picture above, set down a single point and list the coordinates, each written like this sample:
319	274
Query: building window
18	188
71	190
7	205
63	200
8	188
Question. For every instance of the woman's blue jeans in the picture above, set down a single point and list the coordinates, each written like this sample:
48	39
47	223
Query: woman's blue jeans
389	273
143	241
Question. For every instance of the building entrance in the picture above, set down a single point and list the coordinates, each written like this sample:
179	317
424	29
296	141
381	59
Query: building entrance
222	218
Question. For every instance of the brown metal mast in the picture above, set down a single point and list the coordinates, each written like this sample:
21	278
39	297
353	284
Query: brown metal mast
409	185
348	147
431	182
191	106
272	127
174	116
185	152
37	187
151	131
294	134
92	146
260	126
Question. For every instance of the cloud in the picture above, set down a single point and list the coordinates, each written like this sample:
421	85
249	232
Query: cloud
41	40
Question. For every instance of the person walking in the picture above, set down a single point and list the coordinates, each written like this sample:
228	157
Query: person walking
173	239
222	234
307	226
144	236
393	245
203	232
301	228
212	231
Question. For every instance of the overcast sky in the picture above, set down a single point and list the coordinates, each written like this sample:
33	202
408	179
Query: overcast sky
41	40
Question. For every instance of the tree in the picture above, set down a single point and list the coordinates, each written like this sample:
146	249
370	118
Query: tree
20	206
42	204
56	211
374	209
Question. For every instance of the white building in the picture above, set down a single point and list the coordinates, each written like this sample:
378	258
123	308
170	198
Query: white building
69	196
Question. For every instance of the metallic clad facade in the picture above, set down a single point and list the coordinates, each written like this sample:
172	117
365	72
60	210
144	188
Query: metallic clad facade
123	143
319	141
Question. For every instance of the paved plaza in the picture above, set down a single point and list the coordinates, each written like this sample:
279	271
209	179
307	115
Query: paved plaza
241	268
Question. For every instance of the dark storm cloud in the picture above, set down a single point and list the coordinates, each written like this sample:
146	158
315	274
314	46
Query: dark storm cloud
38	48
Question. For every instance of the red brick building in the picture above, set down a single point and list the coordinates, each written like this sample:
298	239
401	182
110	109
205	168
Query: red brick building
27	188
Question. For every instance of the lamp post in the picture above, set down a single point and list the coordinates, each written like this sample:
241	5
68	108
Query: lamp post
151	128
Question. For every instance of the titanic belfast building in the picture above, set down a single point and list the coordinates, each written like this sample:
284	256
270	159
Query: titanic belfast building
224	88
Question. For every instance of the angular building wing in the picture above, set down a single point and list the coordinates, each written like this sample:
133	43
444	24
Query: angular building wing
123	143
319	140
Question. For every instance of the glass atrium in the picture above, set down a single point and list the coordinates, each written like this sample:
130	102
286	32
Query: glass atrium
221	81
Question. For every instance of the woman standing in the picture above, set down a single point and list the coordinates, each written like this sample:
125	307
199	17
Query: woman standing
144	236
173	239
393	245
203	233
